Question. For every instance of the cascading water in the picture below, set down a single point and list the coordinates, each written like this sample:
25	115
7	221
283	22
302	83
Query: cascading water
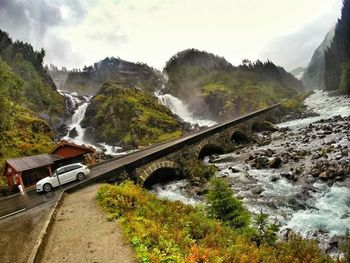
77	118
79	104
179	108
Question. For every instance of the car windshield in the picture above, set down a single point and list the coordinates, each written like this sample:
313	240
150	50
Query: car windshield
54	174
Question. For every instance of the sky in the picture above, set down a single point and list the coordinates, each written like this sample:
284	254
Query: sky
75	33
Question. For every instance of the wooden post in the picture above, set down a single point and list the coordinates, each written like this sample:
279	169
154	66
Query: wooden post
50	171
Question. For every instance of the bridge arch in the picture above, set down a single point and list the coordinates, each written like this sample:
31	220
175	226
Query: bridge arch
207	148
161	172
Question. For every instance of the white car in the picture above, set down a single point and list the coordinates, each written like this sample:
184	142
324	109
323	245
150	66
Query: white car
63	175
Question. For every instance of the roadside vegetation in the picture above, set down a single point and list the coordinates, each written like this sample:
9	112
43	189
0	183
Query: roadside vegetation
222	231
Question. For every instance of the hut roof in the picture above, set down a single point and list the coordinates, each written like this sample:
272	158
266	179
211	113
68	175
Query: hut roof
31	162
64	143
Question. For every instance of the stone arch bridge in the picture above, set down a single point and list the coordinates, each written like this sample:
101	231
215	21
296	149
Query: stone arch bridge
150	164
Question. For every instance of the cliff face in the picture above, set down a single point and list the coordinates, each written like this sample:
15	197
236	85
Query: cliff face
314	75
213	88
337	68
121	114
89	80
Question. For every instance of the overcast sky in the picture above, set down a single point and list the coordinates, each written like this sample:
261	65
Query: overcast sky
75	33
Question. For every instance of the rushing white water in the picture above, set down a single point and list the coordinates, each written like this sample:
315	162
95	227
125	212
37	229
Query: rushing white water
179	108
325	105
80	103
330	212
175	191
307	209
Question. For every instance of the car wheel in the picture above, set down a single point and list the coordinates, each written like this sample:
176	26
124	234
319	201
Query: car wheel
47	187
80	176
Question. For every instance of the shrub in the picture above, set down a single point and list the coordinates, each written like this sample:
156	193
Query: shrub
224	206
264	233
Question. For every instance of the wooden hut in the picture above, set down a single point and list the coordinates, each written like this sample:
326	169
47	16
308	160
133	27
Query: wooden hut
28	170
74	153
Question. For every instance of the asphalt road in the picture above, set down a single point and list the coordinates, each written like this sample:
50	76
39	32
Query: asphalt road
99	172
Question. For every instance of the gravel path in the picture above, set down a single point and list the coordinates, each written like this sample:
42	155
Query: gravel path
81	233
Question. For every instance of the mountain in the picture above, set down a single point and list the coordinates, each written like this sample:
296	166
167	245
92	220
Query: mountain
125	115
337	68
314	75
89	80
298	72
213	88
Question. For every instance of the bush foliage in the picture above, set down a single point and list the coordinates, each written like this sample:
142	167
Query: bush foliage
170	231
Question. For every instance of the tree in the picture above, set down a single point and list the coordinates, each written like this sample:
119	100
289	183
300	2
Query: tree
265	232
224	206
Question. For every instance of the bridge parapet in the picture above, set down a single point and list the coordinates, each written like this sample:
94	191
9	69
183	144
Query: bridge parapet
223	140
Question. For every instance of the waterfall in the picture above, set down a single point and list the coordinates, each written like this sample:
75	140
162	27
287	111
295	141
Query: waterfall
77	118
79	104
181	109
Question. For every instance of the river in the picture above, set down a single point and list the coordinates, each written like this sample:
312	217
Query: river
314	208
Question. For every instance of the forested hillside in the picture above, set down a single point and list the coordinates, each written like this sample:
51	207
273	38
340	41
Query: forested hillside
29	102
214	88
39	91
89	80
21	131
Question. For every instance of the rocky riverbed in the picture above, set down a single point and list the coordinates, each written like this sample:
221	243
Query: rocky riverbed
299	175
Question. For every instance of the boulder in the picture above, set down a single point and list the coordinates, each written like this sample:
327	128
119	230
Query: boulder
276	162
234	170
344	152
73	133
323	175
257	190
